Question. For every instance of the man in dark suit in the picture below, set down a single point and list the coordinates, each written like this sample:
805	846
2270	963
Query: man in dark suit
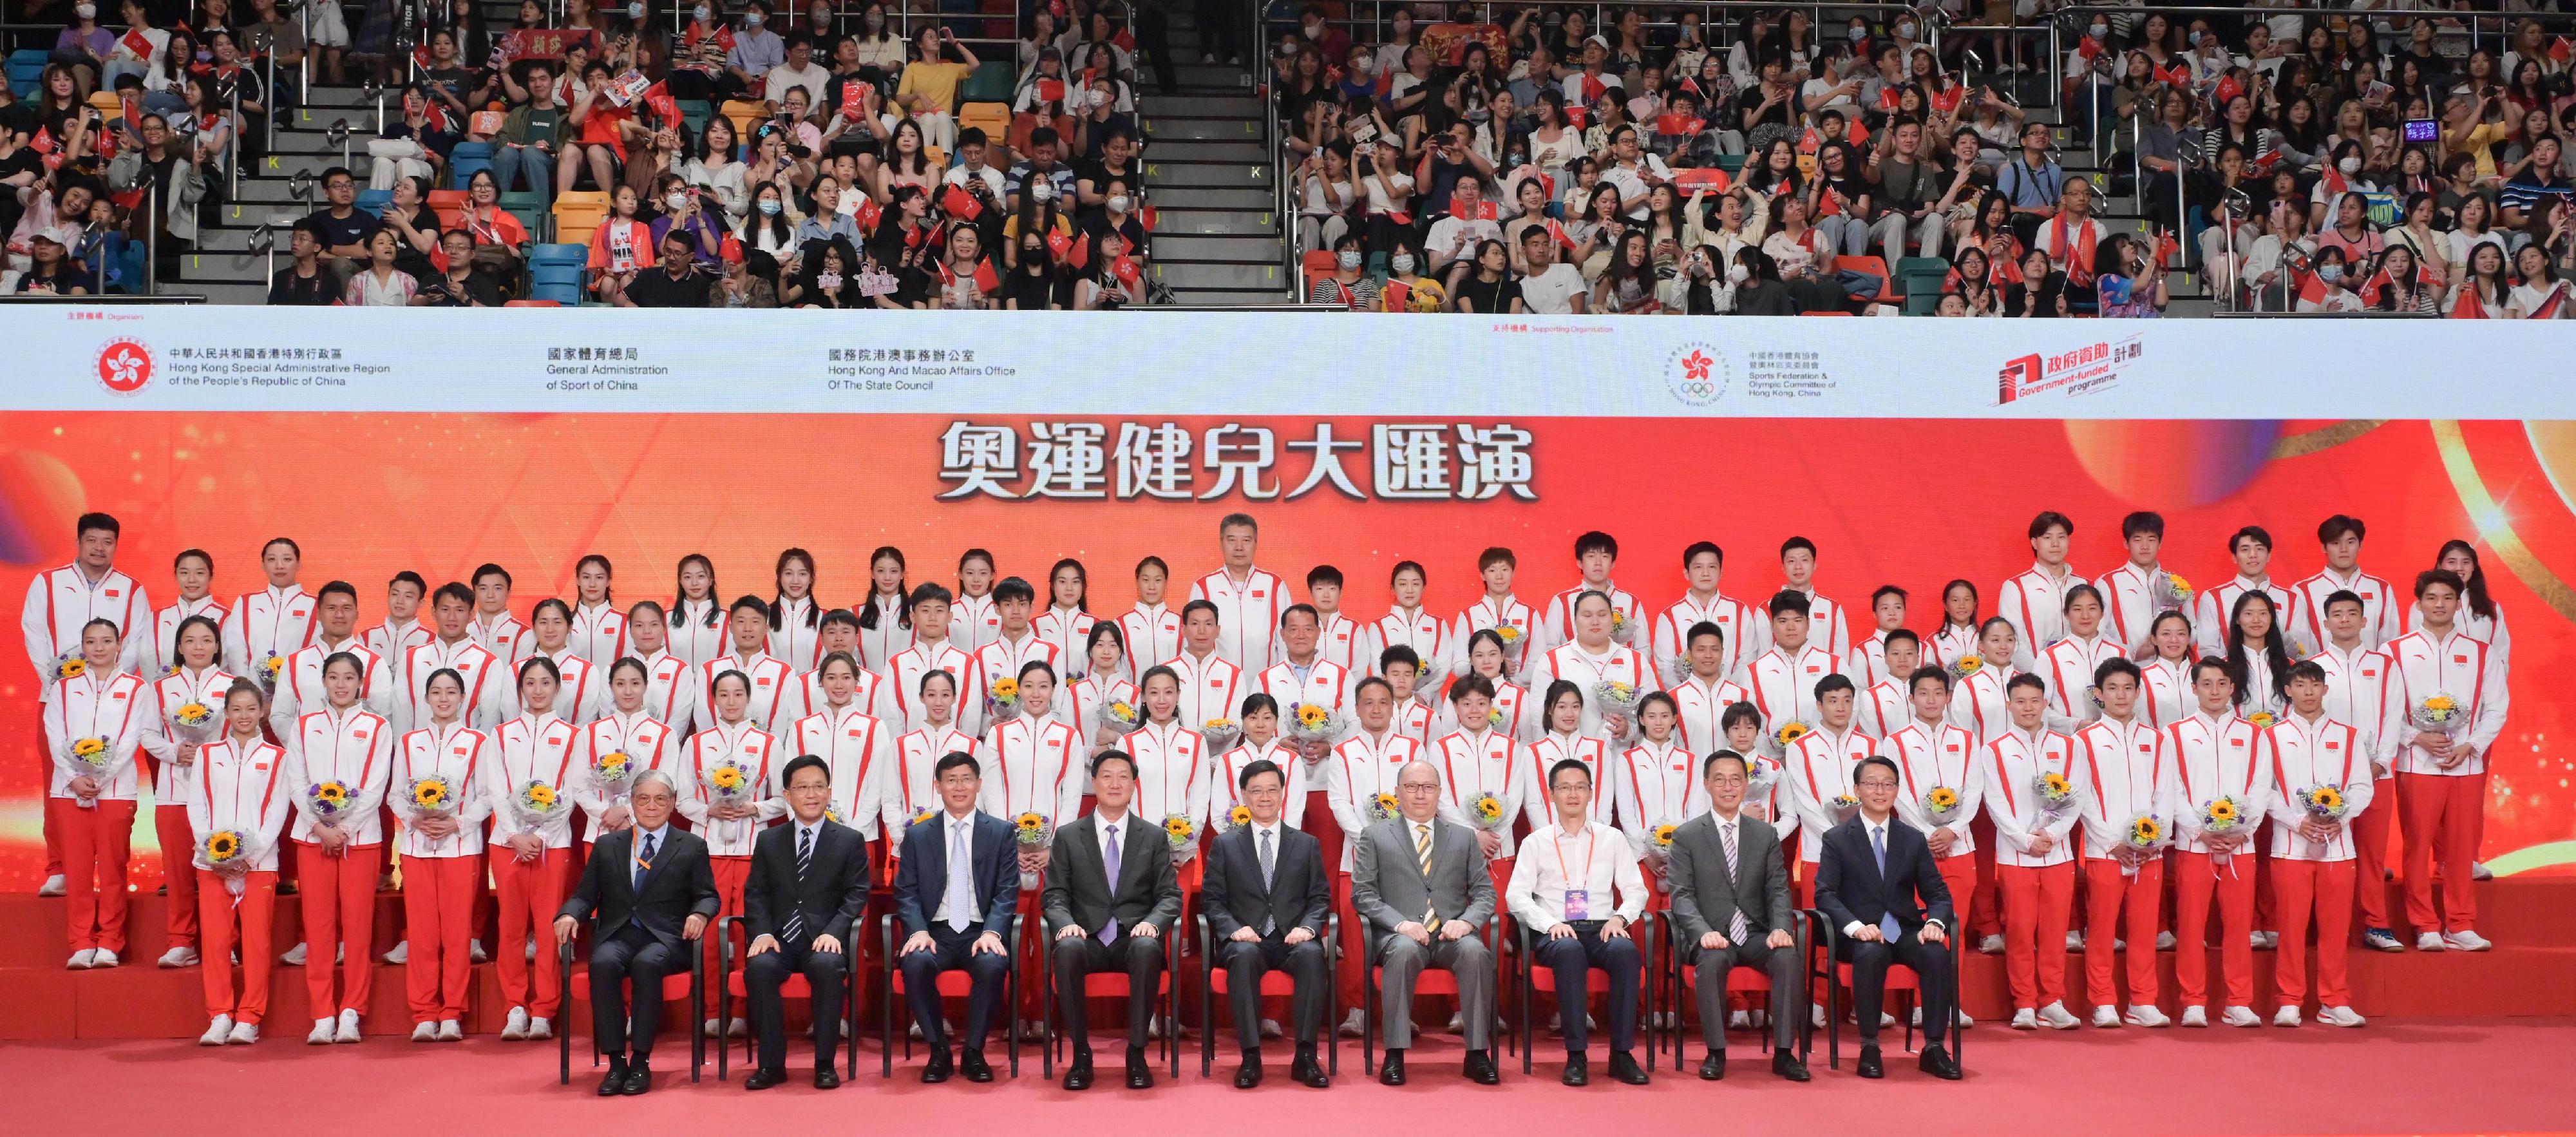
809	883
654	890
1731	909
954	890
1421	884
1111	895
1266	902
1871	871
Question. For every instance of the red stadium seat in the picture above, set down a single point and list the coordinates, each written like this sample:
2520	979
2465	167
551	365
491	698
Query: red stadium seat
952	985
685	985
796	987
1272	983
1683	977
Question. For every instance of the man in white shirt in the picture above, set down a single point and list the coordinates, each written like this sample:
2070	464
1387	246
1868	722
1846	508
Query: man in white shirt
2034	603
2315	760
2355	676
2442	772
1470	222
2130	591
1550	288
1634	170
800	70
972	147
1248	600
2340	537
1827	626
2251	547
60	604
1571	907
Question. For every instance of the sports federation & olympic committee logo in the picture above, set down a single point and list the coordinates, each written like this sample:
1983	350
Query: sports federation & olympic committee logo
124	366
1698	374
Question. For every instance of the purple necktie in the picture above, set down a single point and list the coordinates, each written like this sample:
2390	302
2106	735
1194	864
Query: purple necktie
1109	854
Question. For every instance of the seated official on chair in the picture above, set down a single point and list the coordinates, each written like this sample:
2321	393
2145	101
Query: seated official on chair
1561	890
1871	872
1731	909
809	884
954	888
1111	896
654	891
1420	884
1266	901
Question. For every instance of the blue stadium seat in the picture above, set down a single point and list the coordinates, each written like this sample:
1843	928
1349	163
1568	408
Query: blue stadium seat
575	255
465	160
568	295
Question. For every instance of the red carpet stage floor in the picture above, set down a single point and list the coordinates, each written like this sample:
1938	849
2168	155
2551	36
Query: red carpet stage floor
2394	1076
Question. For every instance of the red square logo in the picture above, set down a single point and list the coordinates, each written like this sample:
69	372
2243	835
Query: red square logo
2334	746
2459	659
113	593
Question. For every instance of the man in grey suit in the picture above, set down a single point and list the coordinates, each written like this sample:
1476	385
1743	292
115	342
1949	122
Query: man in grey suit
1266	902
1111	896
1421	885
1731	909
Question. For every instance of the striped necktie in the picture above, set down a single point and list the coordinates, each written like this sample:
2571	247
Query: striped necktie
1735	922
795	929
1422	853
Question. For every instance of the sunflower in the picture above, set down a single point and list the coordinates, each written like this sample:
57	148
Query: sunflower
921	815
2055	785
541	795
2261	720
1664	836
1218	723
1178	829
1314	717
1123	711
1967	665
1489	809
1239	815
1508	634
1030	823
1942	799
2145	832
429	794
331	794
726	778
1494	719
2222	810
89	748
1792	732
193	714
223	846
1384	806
611	765
1006	689
2325	799
72	668
2181	587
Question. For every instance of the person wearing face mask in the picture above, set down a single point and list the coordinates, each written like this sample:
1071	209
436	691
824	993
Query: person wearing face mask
756	50
880	50
1100	113
1345	286
2329	288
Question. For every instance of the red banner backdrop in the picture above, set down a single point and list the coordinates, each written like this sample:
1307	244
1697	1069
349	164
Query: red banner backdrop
1913	503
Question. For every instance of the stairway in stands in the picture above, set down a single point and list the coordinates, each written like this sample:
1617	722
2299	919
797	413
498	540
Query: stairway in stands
227	265
1208	172
2186	293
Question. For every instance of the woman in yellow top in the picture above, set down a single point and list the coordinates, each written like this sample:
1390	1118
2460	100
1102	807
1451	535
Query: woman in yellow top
928	91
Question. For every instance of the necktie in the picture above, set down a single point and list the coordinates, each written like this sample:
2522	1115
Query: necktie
1735	921
961	882
644	861
1269	871
795	928
1110	855
1422	853
1887	928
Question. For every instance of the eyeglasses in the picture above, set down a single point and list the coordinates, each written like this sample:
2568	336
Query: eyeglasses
1879	784
1419	787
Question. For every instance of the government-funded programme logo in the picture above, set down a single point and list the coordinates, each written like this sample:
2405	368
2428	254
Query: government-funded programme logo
1698	373
124	366
2082	371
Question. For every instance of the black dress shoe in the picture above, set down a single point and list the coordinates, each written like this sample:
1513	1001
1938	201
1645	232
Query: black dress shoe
1391	1071
1248	1074
1938	1063
1305	1071
764	1078
938	1068
1623	1066
1481	1069
1713	1067
826	1077
1140	1070
1869	1066
977	1070
613	1082
1578	1070
1788	1065
639	1078
1078	1076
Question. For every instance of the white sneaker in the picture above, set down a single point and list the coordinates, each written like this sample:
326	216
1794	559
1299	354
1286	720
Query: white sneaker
450	1030
2339	1016
737	1028
294	956
2462	940
82	960
1816	1016
517	1027
1207	59
1761	1019
2381	939
2074	941
2119	945
348	1026
2106	1016
1739	1021
2428	941
1457	1023
180	956
1915	1019
2164	941
1991	945
1884	1019
424	1032
216	1031
2267	941
104	958
54	885
2241	1016
474	951
2287	1016
2195	1016
2025	1019
400	954
2145	1014
540	1029
1964	1022
323	1031
2478	870
1354	1023
532	949
243	1034
915	1031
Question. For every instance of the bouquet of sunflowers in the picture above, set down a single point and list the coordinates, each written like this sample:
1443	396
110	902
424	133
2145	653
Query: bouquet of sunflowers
93	756
1032	830
430	796
2145	834
2056	792
2438	713
535	803
612	771
1235	818
329	802
2223	816
1118	716
1941	804
1487	810
729	783
1514	643
194	721
269	671
69	665
1383	807
1788	735
1844	806
227	853
1312	722
2172	592
2325	803
1967	665
1179	830
1218	731
1618	698
2261	720
1002	699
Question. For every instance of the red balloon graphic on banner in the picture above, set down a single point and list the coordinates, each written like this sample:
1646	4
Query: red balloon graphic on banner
40	497
2171	463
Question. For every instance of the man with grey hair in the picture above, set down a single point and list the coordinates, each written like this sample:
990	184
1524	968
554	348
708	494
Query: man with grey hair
1420	886
654	891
